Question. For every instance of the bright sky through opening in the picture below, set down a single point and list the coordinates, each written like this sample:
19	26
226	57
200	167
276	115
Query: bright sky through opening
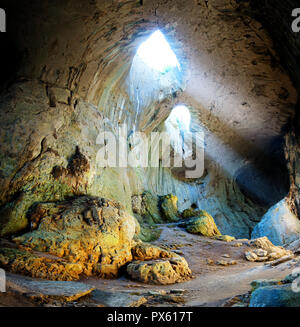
157	54
182	116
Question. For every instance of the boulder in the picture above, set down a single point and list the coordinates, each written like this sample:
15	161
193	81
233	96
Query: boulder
37	266
144	252
261	252
146	206
91	232
279	224
294	246
264	250
275	296
276	293
251	256
189	213
146	210
203	225
264	282
226	262
160	271
157	266
169	208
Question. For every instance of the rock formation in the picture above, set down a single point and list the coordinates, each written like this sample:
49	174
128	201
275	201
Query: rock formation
159	267
76	78
202	224
279	224
265	251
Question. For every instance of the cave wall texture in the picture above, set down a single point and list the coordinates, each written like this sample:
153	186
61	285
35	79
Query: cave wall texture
68	81
276	17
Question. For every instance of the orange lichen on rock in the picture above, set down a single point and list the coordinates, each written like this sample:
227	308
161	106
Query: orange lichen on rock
93	233
29	264
157	266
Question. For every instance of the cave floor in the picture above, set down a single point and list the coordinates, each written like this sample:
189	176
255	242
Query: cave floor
212	284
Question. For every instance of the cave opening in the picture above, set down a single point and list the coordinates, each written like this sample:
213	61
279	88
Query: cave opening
178	129
155	75
157	53
181	116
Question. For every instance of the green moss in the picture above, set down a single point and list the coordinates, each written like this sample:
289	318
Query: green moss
203	225
169	208
150	209
148	229
107	185
189	213
149	233
13	215
13	218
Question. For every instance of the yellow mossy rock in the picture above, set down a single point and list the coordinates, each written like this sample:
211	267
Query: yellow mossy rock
160	271
144	252
190	213
155	265
29	264
92	232
203	225
169	208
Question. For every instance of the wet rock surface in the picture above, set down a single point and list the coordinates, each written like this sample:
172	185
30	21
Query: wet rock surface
27	291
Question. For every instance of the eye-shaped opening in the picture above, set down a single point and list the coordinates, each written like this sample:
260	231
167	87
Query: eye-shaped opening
157	53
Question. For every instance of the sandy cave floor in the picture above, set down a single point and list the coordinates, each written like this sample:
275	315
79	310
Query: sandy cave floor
212	285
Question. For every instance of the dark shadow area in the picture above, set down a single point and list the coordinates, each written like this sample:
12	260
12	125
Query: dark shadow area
10	56
266	180
276	16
